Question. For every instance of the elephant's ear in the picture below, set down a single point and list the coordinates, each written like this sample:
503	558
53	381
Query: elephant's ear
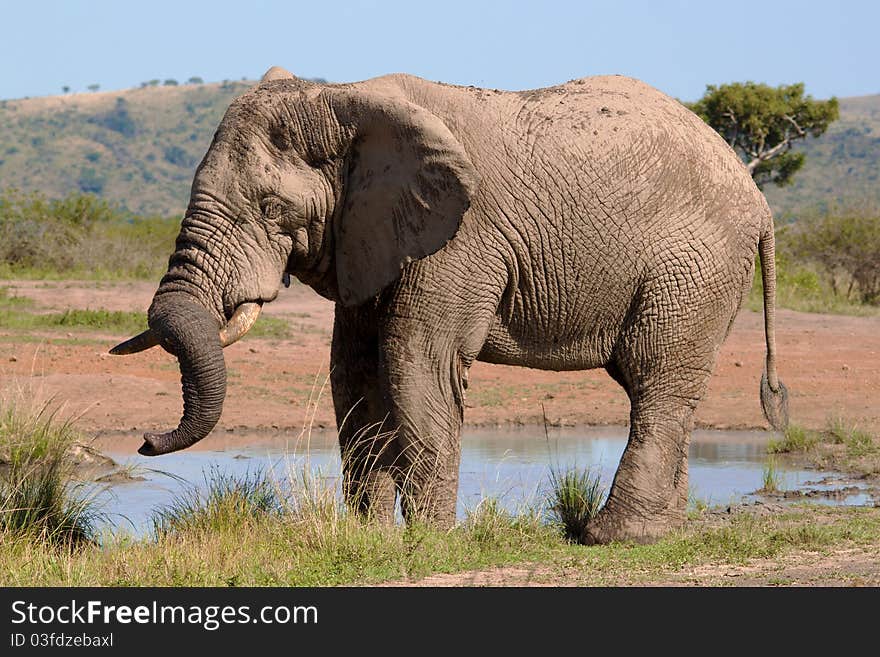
409	183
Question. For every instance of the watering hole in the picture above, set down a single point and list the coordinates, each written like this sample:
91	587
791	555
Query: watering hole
511	465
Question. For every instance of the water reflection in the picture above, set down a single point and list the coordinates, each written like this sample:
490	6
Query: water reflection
509	464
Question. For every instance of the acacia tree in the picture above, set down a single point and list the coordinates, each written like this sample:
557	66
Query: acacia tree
762	123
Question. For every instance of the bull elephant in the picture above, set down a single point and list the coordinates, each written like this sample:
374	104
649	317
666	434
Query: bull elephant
595	224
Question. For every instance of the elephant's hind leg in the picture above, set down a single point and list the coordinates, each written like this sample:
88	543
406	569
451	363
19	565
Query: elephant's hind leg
366	441
665	365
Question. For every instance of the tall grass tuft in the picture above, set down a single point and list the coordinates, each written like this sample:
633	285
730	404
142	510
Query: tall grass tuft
228	502
770	477
575	497
39	499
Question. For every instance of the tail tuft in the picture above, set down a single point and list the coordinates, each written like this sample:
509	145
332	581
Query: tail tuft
774	403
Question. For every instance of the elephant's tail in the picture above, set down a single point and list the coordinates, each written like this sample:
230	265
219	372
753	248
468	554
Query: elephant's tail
774	394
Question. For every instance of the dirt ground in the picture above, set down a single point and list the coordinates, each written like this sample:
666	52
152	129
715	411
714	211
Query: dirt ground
843	567
831	566
831	365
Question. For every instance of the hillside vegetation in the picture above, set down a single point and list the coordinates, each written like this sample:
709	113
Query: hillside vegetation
139	148
842	165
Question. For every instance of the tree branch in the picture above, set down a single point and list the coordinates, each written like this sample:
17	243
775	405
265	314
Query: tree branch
781	147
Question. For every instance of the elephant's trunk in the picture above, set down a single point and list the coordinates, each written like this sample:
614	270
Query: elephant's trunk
187	330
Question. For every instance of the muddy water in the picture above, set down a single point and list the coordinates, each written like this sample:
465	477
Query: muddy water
511	465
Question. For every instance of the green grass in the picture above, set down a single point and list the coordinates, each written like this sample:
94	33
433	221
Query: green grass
12	302
771	478
111	321
291	529
858	443
794	439
40	504
228	502
335	548
797	439
575	497
270	328
14	316
840	445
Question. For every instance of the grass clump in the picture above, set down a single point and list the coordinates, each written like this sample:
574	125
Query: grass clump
39	500
770	477
794	439
575	497
861	447
228	502
858	443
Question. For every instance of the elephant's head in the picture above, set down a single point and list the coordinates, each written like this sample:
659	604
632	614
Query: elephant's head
340	186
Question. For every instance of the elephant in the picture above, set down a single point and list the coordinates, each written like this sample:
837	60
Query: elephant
594	224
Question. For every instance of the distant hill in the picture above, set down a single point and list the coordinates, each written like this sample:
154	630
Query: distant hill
140	147
137	147
843	164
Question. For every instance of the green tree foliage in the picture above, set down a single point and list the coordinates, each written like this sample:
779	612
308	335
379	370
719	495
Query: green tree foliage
762	123
845	244
117	119
178	157
195	80
170	82
93	87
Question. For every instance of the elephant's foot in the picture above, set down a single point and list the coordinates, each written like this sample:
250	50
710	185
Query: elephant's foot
610	526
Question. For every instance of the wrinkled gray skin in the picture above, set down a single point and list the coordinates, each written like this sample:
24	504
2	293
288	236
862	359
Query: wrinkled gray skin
597	224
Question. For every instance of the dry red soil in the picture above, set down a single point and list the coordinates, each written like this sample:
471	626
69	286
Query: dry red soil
831	365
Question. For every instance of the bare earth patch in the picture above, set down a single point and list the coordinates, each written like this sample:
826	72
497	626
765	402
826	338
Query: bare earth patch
845	567
829	363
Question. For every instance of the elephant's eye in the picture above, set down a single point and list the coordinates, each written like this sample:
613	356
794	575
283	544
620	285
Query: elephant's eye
281	139
271	207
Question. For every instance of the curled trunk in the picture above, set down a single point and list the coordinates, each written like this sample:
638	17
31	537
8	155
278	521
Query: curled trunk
187	330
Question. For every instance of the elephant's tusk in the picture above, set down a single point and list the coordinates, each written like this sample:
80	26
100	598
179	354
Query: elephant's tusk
141	342
241	322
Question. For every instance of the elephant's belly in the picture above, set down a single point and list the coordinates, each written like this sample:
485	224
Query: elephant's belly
547	349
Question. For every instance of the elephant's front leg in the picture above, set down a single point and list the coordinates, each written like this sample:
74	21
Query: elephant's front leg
425	363
366	438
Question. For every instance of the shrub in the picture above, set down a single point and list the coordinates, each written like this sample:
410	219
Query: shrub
845	244
117	119
81	235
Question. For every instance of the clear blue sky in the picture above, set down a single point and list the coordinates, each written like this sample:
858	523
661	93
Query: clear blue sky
677	46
